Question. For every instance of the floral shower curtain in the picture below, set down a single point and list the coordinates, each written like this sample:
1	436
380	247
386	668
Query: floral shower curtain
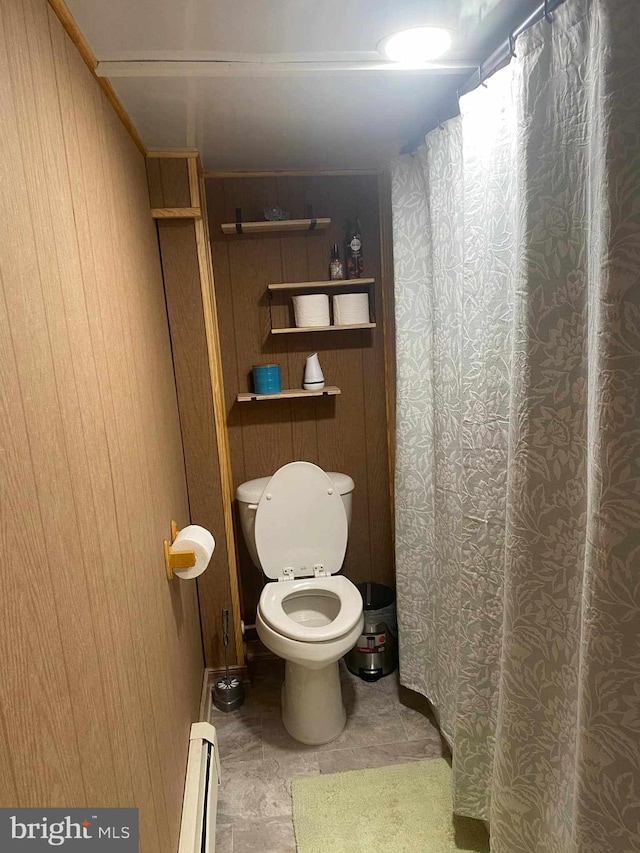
517	251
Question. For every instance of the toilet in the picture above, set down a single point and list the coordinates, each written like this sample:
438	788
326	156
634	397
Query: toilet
296	525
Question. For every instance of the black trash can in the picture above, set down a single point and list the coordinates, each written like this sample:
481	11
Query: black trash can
376	652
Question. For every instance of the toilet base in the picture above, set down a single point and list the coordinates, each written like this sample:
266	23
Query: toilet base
312	707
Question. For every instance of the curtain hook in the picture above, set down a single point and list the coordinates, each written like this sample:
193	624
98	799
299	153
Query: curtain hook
512	46
547	12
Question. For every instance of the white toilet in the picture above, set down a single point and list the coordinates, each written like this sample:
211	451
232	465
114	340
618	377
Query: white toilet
296	525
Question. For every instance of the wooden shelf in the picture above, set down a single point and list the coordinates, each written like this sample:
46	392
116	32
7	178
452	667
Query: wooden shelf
296	329
321	285
176	213
289	394
279	225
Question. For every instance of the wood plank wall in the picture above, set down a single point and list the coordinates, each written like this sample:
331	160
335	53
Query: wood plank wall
346	433
169	188
101	658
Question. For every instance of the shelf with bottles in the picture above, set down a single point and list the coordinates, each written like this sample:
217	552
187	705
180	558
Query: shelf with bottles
281	311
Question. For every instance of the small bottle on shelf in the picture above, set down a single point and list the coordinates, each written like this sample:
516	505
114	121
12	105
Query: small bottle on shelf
336	270
355	261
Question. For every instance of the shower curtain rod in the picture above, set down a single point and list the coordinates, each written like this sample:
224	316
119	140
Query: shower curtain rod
500	57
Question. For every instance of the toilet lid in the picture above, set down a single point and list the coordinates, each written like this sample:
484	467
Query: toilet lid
300	522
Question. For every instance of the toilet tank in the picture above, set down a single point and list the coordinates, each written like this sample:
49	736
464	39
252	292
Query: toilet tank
248	496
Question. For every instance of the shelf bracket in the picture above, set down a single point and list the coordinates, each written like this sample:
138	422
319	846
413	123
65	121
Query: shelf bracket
313	221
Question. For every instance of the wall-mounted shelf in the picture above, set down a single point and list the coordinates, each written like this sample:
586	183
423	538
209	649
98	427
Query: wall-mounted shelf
289	394
340	285
176	213
271	226
295	329
321	285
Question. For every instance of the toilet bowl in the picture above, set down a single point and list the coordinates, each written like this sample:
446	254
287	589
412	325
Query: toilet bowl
307	614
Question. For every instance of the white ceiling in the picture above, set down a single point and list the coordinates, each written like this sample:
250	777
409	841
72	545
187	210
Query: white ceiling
245	106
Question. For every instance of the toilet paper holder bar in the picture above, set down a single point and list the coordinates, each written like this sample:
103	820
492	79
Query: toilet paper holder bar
176	559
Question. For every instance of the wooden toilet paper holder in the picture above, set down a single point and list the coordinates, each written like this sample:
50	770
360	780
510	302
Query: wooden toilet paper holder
176	559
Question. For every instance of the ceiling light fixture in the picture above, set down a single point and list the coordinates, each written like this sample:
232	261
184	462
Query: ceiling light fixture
416	46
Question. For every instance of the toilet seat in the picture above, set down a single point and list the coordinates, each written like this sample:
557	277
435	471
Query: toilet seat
301	526
274	596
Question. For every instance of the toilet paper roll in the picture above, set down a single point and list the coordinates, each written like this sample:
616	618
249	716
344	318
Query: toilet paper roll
350	309
311	309
198	539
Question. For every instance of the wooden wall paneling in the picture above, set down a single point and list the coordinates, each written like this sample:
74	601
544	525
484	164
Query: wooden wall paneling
113	296
168	182
152	356
375	400
295	267
254	262
186	318
54	459
220	257
27	630
175	183
266	435
189	287
91	633
329	453
154	179
248	577
116	658
198	196
147	600
343	434
341	440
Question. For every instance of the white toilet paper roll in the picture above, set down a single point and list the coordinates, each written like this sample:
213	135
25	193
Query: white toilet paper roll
311	309
198	539
350	309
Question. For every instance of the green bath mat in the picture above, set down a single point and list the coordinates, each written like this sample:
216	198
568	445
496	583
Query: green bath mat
404	808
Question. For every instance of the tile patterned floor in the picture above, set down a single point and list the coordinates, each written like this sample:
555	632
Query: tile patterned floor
386	724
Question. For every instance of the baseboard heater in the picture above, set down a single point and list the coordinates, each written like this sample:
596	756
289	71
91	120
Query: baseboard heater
200	803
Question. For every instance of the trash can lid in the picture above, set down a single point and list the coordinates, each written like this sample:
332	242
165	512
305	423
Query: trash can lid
375	596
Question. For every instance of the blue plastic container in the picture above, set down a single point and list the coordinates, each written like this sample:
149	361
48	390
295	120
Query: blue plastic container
267	379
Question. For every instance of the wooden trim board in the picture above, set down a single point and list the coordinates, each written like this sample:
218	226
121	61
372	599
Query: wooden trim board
196	186
82	45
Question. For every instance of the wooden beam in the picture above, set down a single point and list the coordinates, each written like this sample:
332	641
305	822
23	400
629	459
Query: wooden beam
65	17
